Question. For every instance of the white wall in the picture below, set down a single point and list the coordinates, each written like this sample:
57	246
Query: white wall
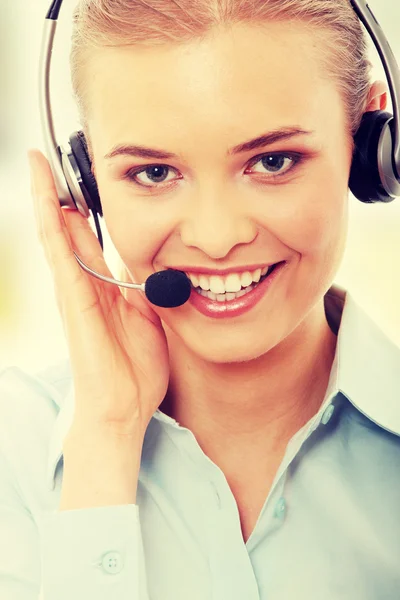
31	333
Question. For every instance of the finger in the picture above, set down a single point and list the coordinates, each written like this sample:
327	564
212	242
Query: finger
54	235
47	217
85	242
137	298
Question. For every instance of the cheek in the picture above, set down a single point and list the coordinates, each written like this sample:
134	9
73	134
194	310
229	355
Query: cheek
138	235
318	218
319	225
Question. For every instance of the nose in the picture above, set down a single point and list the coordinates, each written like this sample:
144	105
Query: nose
216	224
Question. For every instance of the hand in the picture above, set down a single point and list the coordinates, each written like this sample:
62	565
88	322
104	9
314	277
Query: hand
118	349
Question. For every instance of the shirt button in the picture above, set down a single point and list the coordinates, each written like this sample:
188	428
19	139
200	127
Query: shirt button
112	562
280	508
327	414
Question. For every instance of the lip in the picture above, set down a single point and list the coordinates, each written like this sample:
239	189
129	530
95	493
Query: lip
239	306
221	272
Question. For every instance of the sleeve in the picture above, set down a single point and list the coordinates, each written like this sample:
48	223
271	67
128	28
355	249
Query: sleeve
19	541
80	554
92	553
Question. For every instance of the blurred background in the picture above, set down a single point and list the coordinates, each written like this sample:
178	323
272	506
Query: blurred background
31	332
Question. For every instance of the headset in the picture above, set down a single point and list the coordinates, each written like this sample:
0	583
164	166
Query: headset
375	169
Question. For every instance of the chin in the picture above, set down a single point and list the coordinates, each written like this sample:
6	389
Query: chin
227	351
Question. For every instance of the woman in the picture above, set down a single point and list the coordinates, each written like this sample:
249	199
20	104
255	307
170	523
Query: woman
210	452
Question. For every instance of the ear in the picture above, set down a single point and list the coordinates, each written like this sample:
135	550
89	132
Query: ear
377	99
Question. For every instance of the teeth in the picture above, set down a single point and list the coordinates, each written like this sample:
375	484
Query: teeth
246	279
210	295
217	285
195	280
204	283
225	297
232	283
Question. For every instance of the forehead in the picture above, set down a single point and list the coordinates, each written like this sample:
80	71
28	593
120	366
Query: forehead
237	78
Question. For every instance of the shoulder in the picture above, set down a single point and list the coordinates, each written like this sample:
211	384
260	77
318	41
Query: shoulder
31	391
369	452
29	405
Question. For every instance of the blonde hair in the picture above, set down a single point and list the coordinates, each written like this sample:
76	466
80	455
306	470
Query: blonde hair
342	40
102	23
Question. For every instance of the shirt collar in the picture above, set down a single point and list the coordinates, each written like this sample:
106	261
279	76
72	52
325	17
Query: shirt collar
366	370
367	362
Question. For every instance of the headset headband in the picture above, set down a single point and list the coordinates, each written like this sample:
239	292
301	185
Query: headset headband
390	65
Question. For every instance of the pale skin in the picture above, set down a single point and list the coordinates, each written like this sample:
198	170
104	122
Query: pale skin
244	386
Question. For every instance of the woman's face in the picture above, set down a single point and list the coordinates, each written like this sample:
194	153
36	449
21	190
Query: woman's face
208	207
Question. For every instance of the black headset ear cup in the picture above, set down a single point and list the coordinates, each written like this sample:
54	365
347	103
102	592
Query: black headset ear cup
80	150
365	181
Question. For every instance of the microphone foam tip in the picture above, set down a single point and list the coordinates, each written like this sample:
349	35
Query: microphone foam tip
168	289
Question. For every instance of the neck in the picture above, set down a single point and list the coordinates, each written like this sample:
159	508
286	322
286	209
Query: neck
262	402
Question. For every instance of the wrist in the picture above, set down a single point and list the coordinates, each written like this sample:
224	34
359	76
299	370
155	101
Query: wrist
99	470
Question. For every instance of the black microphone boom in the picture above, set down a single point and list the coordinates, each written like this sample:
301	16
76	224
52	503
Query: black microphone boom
168	289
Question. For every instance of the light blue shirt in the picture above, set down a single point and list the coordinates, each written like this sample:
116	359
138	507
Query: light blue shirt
329	528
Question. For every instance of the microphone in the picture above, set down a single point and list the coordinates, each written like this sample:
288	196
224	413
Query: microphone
167	289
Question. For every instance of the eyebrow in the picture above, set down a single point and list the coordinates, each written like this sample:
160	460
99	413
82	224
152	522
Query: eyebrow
258	142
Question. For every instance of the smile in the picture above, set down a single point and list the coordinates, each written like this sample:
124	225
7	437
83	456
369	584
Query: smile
235	304
227	296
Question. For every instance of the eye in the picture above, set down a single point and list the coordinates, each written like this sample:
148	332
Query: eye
156	174
277	165
272	166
